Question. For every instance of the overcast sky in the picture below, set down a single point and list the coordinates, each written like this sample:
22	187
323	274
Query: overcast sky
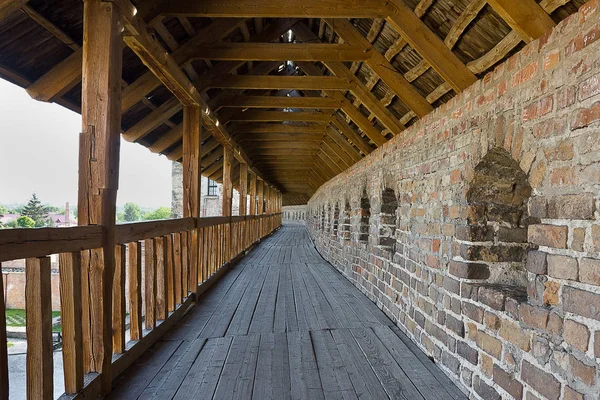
39	153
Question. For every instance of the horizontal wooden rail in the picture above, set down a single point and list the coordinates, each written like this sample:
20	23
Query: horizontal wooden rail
16	244
168	263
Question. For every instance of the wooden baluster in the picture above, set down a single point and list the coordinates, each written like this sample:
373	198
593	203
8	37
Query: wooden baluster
135	290
185	273
170	273
177	268
70	317
3	346
150	283
38	308
118	312
161	278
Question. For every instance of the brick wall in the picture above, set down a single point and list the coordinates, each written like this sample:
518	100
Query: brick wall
477	229
294	214
14	289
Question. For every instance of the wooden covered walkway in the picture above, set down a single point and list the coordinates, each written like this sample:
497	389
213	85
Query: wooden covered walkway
284	324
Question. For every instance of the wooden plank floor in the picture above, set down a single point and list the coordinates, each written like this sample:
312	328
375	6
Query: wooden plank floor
283	324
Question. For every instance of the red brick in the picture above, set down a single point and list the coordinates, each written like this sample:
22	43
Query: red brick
573	206
551	59
562	176
548	235
565	97
525	74
589	87
587	10
585	116
561	152
540	380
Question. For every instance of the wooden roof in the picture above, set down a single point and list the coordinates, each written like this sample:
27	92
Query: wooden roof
304	89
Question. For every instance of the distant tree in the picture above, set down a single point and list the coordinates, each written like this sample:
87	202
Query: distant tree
12	224
132	212
36	211
159	213
25	222
3	210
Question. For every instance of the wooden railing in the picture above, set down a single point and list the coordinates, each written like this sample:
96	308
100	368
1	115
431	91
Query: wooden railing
165	265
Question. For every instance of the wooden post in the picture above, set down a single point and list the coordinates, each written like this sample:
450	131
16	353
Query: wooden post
118	316
3	348
243	188
150	284
38	307
135	290
252	193
192	139
227	185
99	173
260	185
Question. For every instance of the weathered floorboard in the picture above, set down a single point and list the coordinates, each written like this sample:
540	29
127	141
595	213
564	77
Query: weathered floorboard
283	324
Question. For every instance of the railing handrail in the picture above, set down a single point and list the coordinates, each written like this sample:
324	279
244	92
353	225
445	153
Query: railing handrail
16	244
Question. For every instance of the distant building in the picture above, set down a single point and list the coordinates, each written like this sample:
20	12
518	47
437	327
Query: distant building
211	192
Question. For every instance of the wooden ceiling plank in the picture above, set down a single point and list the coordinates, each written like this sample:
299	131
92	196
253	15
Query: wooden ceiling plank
526	17
430	46
351	134
50	27
344	144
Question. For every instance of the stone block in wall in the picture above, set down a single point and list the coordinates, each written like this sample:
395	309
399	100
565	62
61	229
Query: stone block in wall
507	382
575	206
484	390
576	335
469	270
578	302
536	262
563	267
542	381
548	235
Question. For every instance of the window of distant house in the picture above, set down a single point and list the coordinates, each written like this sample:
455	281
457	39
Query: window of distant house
212	188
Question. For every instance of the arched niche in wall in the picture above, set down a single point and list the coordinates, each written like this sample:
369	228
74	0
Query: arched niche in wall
336	220
364	215
497	219
386	221
346	222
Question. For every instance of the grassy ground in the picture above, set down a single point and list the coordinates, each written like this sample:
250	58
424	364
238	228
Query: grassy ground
16	317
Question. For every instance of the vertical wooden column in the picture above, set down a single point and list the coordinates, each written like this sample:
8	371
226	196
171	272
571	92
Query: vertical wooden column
99	175
3	348
243	188
252	192
192	139
260	186
227	184
38	308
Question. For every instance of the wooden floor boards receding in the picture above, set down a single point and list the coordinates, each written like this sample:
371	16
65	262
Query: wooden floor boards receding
283	324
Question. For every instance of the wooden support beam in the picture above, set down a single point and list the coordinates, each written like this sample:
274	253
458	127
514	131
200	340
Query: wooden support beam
260	185
283	102
7	7
49	27
279	137
280	116
251	128
227	183
38	309
230	51
382	67
4	389
252	193
525	16
99	175
344	144
153	120
243	189
280	82
60	79
351	134
430	46
266	9
192	155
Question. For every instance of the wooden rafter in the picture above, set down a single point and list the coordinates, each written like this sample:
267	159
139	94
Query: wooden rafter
278	52
266	8
7	7
280	116
282	102
524	16
280	82
430	46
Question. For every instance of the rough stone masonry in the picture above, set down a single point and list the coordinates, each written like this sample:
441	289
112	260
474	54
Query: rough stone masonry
477	229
